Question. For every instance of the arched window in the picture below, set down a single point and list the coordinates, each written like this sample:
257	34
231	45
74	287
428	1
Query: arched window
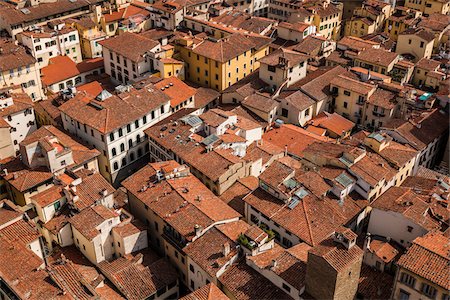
130	143
131	156
114	153
139	153
124	161
122	147
138	138
116	165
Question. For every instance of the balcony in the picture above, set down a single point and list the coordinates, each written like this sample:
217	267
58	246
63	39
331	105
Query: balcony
378	114
173	237
360	102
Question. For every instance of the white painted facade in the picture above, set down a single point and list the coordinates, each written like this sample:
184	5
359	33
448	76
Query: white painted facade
44	46
395	226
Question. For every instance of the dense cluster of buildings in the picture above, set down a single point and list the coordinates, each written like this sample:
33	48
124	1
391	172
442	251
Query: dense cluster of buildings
265	149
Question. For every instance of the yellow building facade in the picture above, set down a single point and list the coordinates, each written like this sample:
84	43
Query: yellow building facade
208	65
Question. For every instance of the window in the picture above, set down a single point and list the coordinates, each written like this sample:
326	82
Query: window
162	109
286	287
284	112
307	112
408	280
429	291
345	104
403	295
409	41
191	267
128	128
130	143
113	151
115	165
421	44
111	136
138	138
410	229
144	120
122	147
287	243
132	157
120	132
346	93
124	161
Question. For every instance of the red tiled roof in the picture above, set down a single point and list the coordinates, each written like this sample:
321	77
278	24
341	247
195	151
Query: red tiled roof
176	89
429	258
206	292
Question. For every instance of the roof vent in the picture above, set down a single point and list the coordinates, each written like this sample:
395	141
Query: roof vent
25	11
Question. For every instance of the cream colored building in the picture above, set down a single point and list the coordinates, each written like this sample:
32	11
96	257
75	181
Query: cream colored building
50	41
416	42
424	278
20	72
17	120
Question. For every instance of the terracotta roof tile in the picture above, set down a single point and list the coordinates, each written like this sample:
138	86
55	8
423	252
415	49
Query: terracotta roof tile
244	283
176	90
206	292
137	45
429	258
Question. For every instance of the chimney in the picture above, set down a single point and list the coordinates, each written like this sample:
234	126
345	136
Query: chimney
367	241
226	249
273	264
197	230
285	150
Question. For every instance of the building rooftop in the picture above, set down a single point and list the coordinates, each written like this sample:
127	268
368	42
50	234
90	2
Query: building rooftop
284	58
14	16
296	139
353	85
208	251
228	48
428	64
206	292
377	56
81	154
311	220
138	280
108	115
137	45
333	123
183	202
88	219
176	90
428	257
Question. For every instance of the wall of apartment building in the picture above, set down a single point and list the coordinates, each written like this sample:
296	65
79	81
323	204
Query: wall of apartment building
329	26
294	35
166	20
439	7
277	78
347	280
394	225
197	277
63	238
130	70
420	76
217	75
378	118
375	67
47	212
100	248
357	27
6	143
131	243
66	44
294	115
102	142
277	280
412	44
348	105
23	198
27	77
414	290
267	116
